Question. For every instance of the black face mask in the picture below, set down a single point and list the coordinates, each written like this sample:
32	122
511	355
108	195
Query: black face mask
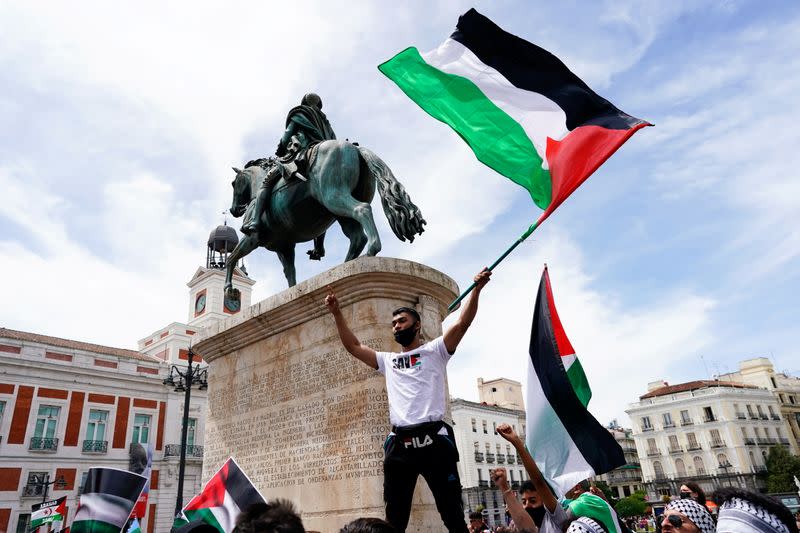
537	513
686	495
405	336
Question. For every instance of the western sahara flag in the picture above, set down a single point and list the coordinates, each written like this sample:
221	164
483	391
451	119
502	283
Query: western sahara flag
520	109
565	440
107	500
47	512
227	493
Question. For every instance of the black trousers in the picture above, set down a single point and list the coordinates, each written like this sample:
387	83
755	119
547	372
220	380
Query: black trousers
420	450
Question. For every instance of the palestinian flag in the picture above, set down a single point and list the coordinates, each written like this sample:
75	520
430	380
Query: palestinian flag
47	512
520	109
134	527
595	507
565	440
227	493
107	500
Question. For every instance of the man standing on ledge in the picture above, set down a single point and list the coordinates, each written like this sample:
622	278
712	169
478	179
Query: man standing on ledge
420	443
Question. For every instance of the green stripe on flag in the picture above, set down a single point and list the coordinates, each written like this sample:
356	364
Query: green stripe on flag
497	139
580	384
93	526
206	515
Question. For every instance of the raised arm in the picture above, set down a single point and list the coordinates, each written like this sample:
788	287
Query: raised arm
365	354
522	520
454	334
547	496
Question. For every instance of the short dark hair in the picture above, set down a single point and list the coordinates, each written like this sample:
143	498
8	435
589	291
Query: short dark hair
409	310
527	486
769	504
475	515
368	525
276	516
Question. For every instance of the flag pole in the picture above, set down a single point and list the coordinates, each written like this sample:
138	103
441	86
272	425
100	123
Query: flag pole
499	259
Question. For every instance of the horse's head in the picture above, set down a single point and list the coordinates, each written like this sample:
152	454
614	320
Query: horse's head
242	192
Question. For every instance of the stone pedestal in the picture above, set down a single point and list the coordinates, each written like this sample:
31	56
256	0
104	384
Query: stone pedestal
302	417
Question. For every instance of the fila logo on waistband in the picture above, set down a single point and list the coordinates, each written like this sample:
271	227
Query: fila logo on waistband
415	442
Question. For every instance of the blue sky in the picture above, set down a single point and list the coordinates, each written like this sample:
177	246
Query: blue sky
120	124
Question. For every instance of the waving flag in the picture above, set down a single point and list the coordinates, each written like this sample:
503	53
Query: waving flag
107	499
47	512
227	493
565	440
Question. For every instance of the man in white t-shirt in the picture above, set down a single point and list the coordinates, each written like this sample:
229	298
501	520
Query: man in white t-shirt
420	443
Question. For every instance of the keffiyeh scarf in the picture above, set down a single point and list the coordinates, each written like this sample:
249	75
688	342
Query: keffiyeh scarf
696	513
740	516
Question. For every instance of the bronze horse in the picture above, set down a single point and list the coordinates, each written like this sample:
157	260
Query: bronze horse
342	178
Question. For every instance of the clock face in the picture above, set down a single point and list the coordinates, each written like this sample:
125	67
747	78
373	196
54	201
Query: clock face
200	303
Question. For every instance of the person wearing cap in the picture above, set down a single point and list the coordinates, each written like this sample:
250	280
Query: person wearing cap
742	511
686	516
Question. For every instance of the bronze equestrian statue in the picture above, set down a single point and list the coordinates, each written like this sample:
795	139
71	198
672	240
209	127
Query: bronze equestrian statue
315	180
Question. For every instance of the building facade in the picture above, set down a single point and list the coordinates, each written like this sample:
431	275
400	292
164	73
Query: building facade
67	406
482	449
715	433
626	479
785	388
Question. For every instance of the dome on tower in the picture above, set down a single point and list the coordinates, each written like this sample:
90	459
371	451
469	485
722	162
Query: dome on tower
223	239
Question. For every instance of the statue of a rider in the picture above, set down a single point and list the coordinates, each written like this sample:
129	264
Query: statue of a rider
306	125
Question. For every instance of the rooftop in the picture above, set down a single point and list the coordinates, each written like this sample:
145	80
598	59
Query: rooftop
24	336
694	385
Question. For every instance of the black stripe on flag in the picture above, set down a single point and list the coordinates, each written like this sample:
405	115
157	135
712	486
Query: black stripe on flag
533	68
119	483
595	443
241	490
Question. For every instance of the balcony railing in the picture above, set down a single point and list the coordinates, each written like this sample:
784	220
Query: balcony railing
762	442
483	484
753	417
759	469
478	457
95	446
749	442
653	452
687	422
718	444
694	446
515	485
771	441
669	425
776	417
43	444
763	417
711	418
490	458
741	416
511	458
648	428
33	491
675	449
519	460
784	440
174	450
501	459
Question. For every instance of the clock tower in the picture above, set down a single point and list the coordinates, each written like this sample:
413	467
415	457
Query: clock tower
207	301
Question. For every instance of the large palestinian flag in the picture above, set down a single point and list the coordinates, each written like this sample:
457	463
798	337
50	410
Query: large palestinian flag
107	499
520	109
565	440
227	493
47	512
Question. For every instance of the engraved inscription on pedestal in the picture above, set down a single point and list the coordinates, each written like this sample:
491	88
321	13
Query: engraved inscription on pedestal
303	418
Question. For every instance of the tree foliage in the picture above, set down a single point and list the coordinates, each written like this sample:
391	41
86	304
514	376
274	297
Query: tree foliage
781	469
633	505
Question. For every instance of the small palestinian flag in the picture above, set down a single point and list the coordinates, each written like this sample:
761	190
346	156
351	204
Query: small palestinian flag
134	527
595	507
519	108
227	493
565	440
47	512
107	500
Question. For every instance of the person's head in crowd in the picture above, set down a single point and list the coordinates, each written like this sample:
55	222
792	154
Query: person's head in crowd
686	516
196	526
531	502
577	490
476	523
368	525
275	516
691	490
584	524
405	325
742	511
797	519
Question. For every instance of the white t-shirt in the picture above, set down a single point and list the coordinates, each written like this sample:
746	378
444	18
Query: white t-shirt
415	383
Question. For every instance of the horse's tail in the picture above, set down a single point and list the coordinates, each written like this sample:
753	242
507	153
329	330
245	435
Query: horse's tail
404	217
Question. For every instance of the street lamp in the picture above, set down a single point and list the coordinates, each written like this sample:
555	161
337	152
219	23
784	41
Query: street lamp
45	482
724	467
183	381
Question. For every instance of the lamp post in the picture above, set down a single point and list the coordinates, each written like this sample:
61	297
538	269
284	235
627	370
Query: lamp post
45	483
183	382
724	467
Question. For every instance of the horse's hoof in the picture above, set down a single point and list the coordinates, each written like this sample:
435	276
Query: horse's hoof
315	255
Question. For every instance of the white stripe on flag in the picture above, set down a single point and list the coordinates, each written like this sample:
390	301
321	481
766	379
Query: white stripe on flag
551	446
105	508
539	116
567	360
